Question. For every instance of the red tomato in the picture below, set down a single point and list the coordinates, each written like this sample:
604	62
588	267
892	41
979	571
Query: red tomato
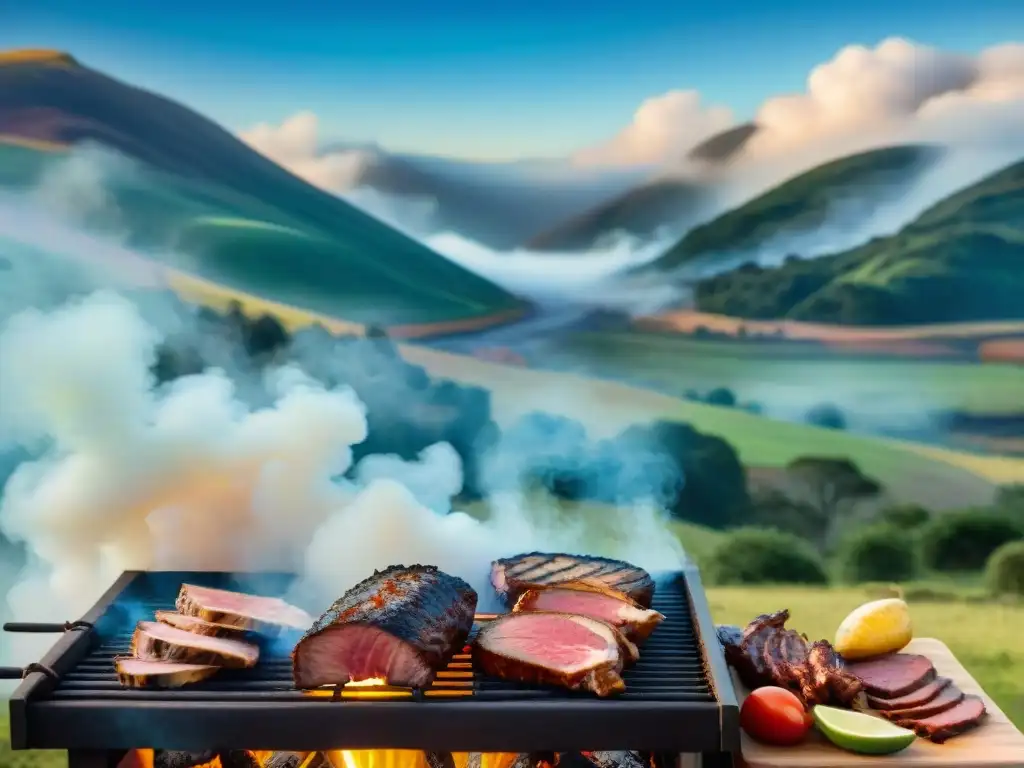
775	716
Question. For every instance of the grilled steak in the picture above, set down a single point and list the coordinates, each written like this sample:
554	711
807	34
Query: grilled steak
143	673
562	649
948	699
596	601
267	615
154	641
511	576
893	675
402	625
828	670
748	657
199	626
915	698
966	715
173	758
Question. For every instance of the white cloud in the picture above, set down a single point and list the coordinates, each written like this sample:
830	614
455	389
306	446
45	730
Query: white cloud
664	128
863	96
294	144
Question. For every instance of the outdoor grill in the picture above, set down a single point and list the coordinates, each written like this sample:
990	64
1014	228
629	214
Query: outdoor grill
679	699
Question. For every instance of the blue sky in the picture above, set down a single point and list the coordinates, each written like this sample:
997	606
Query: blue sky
479	79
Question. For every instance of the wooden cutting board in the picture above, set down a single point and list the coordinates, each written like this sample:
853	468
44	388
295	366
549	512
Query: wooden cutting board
996	743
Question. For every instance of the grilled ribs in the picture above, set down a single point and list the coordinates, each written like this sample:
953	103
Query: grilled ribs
766	653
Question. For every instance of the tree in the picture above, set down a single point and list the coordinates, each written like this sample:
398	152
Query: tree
826	415
774	509
833	485
721	396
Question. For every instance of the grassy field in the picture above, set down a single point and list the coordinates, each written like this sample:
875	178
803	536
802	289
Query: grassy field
757	370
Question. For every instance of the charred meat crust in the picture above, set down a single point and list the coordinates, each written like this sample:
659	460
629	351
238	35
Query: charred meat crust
511	576
419	605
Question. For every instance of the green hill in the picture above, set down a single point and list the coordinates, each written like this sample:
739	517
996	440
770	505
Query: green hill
190	167
803	203
961	260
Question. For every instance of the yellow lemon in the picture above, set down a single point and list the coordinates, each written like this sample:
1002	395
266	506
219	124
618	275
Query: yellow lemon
881	626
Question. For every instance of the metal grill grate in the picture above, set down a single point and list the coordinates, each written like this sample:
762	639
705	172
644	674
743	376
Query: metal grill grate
671	686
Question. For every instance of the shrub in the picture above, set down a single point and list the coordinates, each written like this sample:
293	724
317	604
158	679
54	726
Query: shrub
826	415
764	556
878	553
774	509
963	541
721	396
904	516
1004	572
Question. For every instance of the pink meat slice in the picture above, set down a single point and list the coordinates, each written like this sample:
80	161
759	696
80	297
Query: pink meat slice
161	642
236	609
915	698
617	609
893	675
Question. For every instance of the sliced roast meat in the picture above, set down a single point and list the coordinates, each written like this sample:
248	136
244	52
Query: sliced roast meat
145	673
915	698
893	675
173	758
199	626
401	625
511	576
750	660
965	716
595	600
948	699
154	641
561	649
267	615
832	682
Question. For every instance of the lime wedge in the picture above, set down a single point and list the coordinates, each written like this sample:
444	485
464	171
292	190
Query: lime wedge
864	734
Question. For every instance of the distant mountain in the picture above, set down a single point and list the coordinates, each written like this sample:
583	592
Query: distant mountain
640	212
842	193
724	146
961	260
496	204
197	179
663	203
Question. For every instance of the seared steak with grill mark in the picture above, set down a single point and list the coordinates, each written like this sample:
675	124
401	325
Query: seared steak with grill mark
965	716
593	599
154	641
145	673
402	625
267	615
511	576
199	626
948	699
893	675
915	698
562	649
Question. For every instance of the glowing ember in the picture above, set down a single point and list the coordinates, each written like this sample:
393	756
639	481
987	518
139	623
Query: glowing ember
366	683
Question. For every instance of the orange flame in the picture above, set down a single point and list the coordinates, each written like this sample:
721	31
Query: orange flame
348	758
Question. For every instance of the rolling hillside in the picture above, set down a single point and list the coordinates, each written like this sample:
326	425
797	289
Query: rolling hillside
638	212
961	260
190	168
849	188
499	205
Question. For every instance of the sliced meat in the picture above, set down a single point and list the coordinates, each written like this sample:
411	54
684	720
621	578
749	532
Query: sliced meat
154	641
199	626
173	758
948	699
915	698
785	658
143	673
400	625
596	601
965	716
561	649
267	615
750	659
893	675
511	576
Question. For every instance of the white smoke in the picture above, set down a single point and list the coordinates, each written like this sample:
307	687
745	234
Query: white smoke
190	477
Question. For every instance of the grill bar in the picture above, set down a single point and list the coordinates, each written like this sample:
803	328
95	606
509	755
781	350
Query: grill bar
679	697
